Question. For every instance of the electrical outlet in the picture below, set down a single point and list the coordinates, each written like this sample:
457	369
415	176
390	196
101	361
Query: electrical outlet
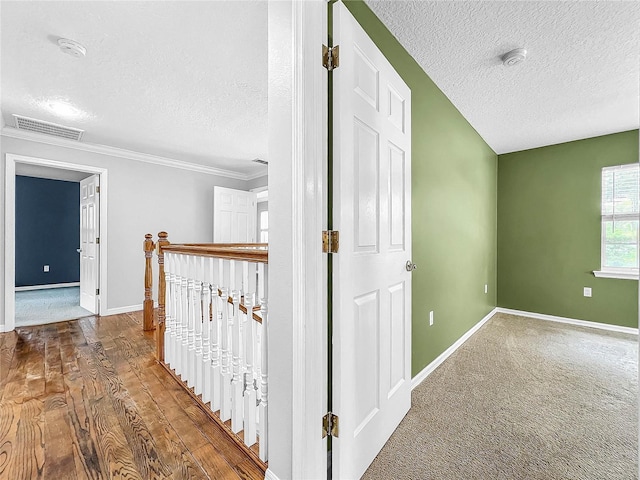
431	318
486	288
587	291
46	268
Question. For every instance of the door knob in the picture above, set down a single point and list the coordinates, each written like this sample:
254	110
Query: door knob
411	266
79	250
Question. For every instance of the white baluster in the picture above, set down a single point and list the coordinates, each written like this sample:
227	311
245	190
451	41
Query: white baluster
232	276
206	331
176	329
168	310
216	320
191	355
257	355
249	388
236	383
198	324
175	308
250	274
184	347
177	348
225	274
262	290
245	278
261	281
225	372
263	409
240	285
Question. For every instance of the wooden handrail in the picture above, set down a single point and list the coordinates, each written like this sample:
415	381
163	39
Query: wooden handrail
148	246
249	253
225	245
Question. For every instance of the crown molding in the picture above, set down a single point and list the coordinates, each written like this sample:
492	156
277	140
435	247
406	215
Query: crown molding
12	132
256	175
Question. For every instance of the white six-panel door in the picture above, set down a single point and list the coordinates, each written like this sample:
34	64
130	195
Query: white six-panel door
371	285
234	216
89	248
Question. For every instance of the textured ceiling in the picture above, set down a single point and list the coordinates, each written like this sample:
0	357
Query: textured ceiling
580	79
178	79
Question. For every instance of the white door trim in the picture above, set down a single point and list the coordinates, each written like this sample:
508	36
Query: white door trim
10	228
310	207
298	104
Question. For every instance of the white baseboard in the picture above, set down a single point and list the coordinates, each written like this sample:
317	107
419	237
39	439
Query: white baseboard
44	287
119	310
570	321
426	371
269	475
2	330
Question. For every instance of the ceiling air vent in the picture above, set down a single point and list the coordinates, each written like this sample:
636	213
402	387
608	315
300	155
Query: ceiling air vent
48	128
260	161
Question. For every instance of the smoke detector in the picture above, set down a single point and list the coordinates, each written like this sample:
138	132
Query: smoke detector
514	57
71	47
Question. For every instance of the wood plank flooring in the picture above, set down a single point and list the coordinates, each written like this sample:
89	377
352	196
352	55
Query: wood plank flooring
85	399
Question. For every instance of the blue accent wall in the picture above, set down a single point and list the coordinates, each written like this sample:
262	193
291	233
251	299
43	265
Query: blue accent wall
47	231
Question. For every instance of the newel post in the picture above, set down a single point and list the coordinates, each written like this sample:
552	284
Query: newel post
162	285
148	246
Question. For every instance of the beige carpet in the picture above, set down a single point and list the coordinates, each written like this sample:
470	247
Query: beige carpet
50	305
523	399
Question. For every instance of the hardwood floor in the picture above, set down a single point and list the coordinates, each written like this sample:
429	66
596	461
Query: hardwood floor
86	399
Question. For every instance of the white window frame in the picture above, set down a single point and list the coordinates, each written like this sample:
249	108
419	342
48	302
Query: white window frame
615	272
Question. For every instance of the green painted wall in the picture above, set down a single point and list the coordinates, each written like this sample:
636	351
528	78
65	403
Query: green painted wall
549	231
454	185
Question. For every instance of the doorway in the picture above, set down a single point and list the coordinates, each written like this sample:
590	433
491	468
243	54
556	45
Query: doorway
47	282
17	165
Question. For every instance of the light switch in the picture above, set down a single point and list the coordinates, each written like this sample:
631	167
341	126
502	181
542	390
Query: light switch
587	291
46	268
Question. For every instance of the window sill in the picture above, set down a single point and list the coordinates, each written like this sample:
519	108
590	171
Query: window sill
619	275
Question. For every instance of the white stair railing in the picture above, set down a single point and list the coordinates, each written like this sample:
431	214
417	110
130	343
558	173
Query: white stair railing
215	331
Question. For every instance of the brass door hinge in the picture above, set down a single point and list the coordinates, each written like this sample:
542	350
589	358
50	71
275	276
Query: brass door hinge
330	425
330	241
98	189
330	57
97	291
97	240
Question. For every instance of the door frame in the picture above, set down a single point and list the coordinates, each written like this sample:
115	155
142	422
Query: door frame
298	132
10	229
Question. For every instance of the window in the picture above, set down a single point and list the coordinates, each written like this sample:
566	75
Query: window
619	251
264	226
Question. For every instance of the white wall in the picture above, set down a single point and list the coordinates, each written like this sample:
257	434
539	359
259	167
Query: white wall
143	198
258	182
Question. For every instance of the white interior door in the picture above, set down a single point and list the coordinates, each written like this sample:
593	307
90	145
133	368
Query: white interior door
89	246
371	283
234	216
